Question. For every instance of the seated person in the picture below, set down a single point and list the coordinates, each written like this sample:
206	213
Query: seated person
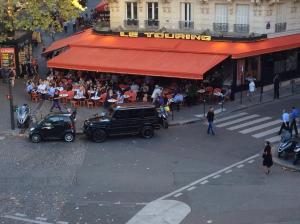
29	87
177	100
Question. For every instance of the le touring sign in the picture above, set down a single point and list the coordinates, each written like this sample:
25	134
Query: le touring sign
157	35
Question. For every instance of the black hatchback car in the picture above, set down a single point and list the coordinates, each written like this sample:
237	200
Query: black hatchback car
127	119
54	126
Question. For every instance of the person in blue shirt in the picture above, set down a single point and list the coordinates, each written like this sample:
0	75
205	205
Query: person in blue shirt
285	122
294	116
51	91
178	99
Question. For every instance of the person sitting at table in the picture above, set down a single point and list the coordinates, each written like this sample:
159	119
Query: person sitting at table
120	97
134	87
97	93
51	91
80	92
177	100
29	86
109	96
42	87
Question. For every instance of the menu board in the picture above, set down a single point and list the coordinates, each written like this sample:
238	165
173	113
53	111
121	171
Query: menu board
7	56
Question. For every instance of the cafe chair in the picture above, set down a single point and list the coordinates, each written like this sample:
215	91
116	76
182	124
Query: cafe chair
70	96
90	104
35	97
102	99
74	103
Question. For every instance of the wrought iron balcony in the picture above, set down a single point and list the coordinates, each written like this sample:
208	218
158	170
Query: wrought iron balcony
186	25
220	27
131	23
280	27
151	24
241	28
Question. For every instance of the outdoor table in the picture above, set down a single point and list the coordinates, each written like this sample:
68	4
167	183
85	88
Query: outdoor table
60	88
201	91
79	98
112	100
95	98
63	95
126	96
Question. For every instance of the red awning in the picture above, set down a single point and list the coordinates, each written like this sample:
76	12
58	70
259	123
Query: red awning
154	63
102	6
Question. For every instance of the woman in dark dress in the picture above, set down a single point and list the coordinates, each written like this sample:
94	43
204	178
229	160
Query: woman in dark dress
267	157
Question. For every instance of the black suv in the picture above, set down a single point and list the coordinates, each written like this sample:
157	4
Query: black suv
54	126
127	119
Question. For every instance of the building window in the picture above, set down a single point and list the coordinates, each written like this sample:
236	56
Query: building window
152	17
242	19
131	14
280	25
152	10
186	16
221	18
131	10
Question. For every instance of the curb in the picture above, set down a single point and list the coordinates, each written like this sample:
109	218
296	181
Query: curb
284	163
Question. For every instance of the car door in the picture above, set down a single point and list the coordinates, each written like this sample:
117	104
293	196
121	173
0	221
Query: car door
135	120
59	127
118	124
47	128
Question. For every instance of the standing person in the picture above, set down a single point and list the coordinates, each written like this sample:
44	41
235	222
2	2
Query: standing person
210	119
156	93
294	116
276	82
267	157
66	24
285	122
12	76
55	103
251	89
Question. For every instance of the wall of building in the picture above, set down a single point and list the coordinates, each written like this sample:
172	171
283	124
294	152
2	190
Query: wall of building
261	12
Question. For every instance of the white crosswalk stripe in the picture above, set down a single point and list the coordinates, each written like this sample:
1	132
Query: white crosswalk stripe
256	125
265	133
249	123
262	126
230	117
237	120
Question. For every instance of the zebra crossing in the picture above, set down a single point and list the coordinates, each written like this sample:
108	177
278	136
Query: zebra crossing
259	127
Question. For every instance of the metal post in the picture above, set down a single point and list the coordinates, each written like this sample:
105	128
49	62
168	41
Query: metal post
261	92
11	104
203	107
222	103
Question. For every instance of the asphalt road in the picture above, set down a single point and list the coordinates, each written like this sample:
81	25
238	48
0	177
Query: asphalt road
85	182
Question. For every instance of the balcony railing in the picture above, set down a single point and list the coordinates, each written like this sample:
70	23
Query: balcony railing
280	27
241	28
151	24
186	25
220	27
131	23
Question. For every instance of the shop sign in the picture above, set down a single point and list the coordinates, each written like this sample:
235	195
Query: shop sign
7	56
157	35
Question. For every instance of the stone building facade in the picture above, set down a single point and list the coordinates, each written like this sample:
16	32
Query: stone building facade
217	17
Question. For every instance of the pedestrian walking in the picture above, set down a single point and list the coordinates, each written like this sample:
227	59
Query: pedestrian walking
285	122
12	76
294	117
55	103
276	82
267	157
66	24
210	119
251	89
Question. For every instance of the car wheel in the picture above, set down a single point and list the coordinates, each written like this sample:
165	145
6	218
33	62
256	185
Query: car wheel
69	137
99	135
36	138
147	132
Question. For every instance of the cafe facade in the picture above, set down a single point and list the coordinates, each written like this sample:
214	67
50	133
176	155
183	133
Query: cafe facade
218	58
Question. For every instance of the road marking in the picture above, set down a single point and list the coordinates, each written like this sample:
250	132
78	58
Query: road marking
249	123
237	120
25	219
62	222
206	177
216	112
251	161
274	139
228	171
177	195
41	218
217	176
240	166
230	117
191	188
204	182
265	133
20	214
246	131
161	212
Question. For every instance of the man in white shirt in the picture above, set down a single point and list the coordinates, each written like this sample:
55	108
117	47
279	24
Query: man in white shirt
251	89
156	93
134	87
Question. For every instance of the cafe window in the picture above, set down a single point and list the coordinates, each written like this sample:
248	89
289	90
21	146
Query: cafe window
281	13
186	11
221	14
152	10
131	10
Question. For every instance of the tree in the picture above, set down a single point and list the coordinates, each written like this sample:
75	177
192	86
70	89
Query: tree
30	15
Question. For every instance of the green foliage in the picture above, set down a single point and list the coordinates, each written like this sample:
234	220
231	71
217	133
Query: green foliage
34	15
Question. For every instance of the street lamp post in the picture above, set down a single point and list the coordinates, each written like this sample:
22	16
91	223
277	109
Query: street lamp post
11	104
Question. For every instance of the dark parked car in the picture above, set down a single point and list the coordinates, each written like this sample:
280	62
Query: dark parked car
127	119
54	126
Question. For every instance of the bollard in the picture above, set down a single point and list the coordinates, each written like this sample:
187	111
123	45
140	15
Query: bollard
292	83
